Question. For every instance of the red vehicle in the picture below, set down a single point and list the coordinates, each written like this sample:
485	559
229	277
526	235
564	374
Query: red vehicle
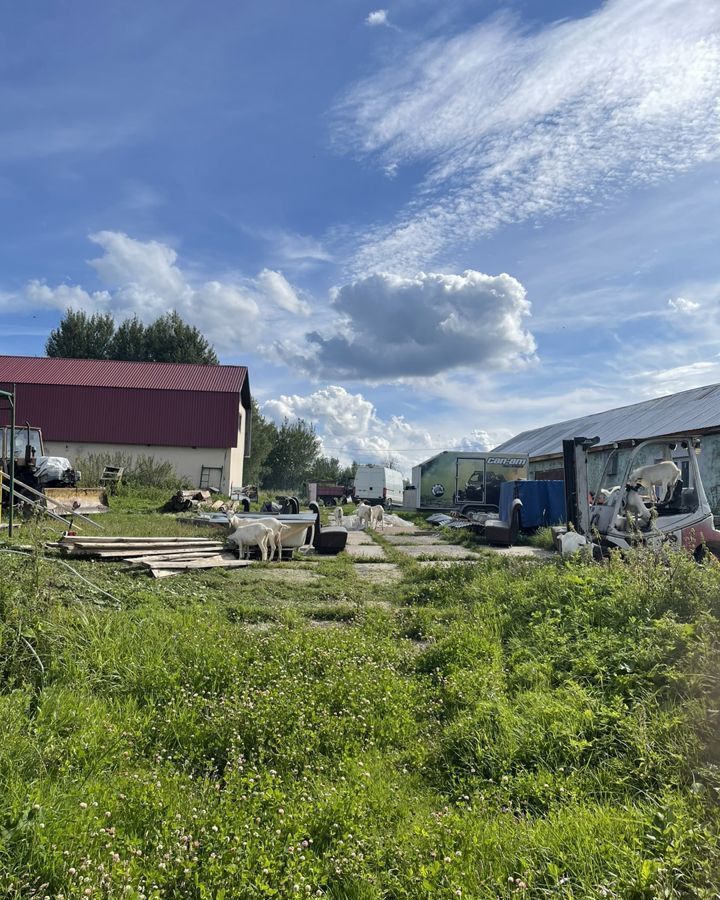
330	494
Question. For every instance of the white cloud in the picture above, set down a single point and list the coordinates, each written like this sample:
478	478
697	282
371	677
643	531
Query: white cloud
143	278
39	295
378	17
514	126
277	288
477	440
351	428
677	378
296	249
341	414
683	305
391	327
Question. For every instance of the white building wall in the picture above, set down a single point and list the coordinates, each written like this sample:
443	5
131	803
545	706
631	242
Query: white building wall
237	455
187	461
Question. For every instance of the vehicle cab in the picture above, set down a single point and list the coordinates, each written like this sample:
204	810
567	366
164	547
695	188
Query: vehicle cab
682	518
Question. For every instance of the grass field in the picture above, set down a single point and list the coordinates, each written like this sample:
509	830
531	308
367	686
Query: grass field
505	729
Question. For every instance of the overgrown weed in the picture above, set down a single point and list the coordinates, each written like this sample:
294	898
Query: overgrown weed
498	729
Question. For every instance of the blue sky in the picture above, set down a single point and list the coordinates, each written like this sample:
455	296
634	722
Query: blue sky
420	225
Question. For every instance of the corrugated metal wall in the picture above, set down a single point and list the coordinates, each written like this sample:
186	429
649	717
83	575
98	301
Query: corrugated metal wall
130	416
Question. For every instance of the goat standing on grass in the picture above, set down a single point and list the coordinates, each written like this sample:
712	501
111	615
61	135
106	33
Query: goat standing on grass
280	530
338	515
252	534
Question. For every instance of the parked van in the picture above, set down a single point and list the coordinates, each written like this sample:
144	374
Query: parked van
376	484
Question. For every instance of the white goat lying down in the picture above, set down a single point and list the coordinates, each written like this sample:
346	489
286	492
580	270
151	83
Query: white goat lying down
251	534
376	517
664	474
280	531
363	514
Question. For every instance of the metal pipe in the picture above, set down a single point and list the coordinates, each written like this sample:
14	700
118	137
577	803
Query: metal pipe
36	505
67	509
11	512
10	397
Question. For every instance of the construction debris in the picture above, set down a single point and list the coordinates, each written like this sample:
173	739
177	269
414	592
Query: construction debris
184	500
161	556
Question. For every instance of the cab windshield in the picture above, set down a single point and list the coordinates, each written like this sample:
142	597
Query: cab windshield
610	479
21	441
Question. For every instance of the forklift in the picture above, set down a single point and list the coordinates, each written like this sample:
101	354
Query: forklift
598	513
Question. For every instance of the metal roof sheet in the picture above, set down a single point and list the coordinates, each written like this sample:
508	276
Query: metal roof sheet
116	374
697	409
100	415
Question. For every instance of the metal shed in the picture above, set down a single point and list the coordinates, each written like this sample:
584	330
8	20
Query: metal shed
696	410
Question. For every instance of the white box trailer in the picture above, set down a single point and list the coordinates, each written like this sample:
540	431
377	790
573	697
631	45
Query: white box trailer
465	481
378	485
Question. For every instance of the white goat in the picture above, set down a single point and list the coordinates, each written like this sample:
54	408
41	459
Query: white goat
338	515
280	531
633	504
376	517
664	474
252	534
275	525
363	514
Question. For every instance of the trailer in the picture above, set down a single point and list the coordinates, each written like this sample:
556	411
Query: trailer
329	494
465	482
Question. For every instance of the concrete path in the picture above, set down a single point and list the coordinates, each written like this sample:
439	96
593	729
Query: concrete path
379	573
438	551
358	537
365	551
410	539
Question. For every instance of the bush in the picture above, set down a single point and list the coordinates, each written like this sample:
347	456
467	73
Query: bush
141	471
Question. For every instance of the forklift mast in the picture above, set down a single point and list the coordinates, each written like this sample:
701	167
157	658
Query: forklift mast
577	505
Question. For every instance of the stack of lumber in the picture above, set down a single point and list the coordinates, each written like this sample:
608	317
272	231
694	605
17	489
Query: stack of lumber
161	556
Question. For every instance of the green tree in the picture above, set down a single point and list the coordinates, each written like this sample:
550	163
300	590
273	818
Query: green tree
79	336
129	342
264	435
169	339
325	468
347	475
292	457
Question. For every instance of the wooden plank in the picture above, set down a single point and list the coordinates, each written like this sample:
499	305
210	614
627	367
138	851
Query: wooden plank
127	539
211	562
164	573
168	557
142	548
140	554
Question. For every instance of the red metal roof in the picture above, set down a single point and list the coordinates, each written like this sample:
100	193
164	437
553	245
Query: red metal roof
112	373
106	402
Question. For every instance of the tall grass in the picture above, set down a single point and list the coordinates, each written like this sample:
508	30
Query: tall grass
506	729
141	470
